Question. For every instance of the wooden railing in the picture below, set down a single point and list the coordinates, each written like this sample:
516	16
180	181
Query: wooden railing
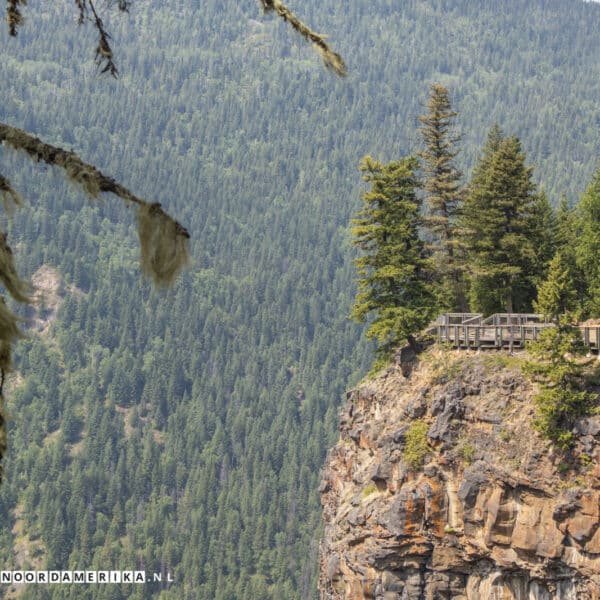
469	330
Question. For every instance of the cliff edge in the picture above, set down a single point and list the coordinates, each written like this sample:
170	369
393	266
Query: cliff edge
440	488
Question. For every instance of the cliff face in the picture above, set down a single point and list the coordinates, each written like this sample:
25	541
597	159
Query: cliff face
493	512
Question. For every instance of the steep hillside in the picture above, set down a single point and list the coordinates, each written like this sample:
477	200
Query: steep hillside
439	487
184	431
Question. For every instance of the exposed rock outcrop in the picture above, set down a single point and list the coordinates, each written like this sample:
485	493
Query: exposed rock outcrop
493	512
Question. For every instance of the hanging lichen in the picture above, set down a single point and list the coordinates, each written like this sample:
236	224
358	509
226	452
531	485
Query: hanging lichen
163	240
86	12
2	434
19	289
5	357
10	198
14	17
163	244
331	59
9	333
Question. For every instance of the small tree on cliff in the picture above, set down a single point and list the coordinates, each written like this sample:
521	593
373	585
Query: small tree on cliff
557	295
394	284
557	359
560	369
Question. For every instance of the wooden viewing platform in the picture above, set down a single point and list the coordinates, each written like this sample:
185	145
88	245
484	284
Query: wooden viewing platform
502	330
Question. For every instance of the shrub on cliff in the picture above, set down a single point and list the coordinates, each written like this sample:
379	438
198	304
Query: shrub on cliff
560	369
416	447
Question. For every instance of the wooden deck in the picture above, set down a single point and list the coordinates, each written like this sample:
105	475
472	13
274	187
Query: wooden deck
511	331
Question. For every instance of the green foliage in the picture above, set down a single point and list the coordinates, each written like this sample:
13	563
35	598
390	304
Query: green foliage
441	183
557	294
467	452
393	279
588	244
503	220
563	398
370	489
416	447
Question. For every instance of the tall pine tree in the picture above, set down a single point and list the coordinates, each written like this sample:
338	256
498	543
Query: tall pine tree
501	219
393	282
588	247
441	182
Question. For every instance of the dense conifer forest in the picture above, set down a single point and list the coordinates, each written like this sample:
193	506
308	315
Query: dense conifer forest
183	431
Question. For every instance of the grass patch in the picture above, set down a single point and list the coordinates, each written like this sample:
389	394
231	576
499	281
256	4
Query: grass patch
370	489
416	447
467	452
496	359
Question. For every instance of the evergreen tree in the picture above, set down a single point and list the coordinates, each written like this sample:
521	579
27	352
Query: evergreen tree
441	183
500	220
557	294
566	226
557	353
588	247
544	230
568	235
557	362
393	277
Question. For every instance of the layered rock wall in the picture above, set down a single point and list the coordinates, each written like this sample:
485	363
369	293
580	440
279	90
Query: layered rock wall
492	513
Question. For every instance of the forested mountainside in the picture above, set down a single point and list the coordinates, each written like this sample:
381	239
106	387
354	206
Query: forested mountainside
184	431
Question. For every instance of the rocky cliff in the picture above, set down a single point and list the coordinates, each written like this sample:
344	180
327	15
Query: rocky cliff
480	508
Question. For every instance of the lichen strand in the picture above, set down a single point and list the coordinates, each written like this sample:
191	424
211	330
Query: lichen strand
9	196
18	288
164	241
14	17
331	59
163	244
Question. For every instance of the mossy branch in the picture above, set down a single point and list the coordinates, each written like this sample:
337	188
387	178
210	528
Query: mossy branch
331	59
14	17
163	240
8	195
104	52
